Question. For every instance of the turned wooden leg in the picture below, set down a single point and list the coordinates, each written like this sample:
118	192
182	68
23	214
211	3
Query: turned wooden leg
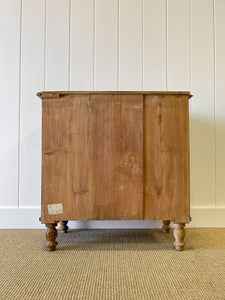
51	235
179	234
63	226
166	226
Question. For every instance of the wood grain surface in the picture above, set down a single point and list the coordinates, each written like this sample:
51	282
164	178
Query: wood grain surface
116	157
115	147
64	157
166	158
58	94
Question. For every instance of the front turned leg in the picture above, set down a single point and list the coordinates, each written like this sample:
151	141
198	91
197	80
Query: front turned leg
179	234
51	235
63	226
166	226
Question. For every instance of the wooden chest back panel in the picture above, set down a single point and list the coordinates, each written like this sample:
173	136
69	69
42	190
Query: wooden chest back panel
115	160
93	157
116	156
64	157
166	158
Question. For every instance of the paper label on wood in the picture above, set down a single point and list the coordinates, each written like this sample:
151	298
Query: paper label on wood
54	209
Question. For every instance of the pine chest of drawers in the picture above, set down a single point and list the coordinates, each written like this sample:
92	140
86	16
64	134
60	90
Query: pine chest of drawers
115	156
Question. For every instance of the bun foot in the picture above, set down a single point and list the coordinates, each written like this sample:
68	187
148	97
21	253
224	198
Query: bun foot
179	234
166	226
51	235
63	226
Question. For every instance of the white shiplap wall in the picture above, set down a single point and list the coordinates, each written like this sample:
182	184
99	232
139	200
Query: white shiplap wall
110	45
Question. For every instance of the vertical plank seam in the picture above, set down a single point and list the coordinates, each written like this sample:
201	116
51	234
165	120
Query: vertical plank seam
144	154
142	43
45	25
190	105
190	43
94	11
69	68
166	45
118	45
19	108
214	75
88	125
44	79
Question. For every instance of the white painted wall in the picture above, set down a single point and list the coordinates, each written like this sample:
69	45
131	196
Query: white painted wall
110	45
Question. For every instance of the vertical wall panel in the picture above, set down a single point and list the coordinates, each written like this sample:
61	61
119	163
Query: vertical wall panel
32	81
220	101
57	44
106	44
154	43
202	105
81	45
130	45
9	112
178	45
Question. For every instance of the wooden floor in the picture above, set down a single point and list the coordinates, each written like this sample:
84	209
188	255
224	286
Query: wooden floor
112	264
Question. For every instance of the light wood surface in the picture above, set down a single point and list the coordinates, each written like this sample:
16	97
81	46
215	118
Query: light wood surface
166	226
166	158
179	235
63	226
64	157
115	157
51	235
59	94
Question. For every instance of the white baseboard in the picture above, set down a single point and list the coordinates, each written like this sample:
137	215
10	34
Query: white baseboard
207	217
18	218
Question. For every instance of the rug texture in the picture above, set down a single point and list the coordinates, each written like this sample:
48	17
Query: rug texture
112	264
